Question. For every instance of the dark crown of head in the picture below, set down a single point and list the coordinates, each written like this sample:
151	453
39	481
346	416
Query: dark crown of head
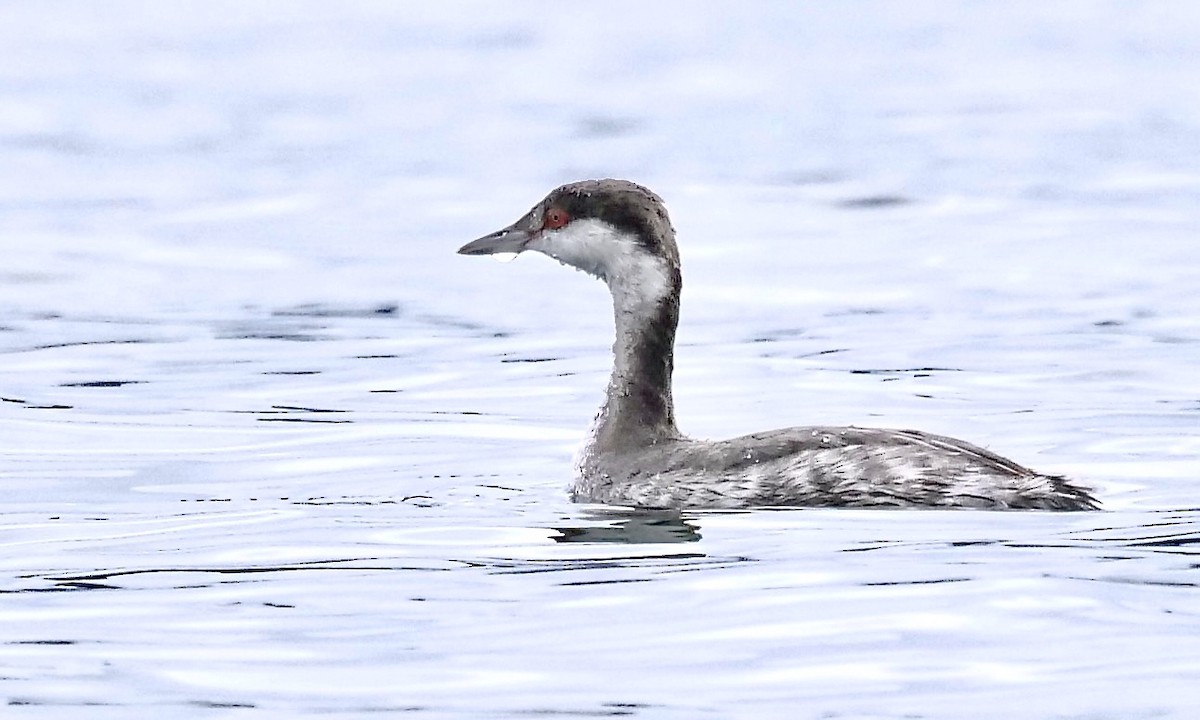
627	206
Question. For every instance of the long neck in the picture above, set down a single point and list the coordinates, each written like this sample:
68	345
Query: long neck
638	409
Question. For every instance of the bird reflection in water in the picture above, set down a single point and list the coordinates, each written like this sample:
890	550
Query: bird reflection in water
632	527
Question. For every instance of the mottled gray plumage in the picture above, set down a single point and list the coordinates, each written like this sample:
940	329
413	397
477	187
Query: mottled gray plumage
635	455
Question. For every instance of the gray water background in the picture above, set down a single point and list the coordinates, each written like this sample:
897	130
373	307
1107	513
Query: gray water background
268	448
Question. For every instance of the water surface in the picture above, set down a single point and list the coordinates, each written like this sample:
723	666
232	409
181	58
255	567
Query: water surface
268	448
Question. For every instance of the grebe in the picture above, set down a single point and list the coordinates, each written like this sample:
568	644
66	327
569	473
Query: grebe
619	232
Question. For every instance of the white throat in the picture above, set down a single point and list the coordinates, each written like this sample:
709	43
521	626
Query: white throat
637	279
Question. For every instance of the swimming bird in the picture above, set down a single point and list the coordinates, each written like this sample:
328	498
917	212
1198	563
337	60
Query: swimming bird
635	455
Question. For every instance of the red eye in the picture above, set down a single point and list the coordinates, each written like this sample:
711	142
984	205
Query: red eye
556	218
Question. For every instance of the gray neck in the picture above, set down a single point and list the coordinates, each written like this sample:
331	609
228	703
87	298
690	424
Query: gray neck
638	409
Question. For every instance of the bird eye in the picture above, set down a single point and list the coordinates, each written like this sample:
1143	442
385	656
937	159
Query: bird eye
556	218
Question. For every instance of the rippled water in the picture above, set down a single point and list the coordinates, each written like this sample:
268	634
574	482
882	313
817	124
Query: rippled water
268	448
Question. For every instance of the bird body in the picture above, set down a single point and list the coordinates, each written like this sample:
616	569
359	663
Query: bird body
635	455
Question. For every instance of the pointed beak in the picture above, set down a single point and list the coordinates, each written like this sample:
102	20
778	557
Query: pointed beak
511	239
